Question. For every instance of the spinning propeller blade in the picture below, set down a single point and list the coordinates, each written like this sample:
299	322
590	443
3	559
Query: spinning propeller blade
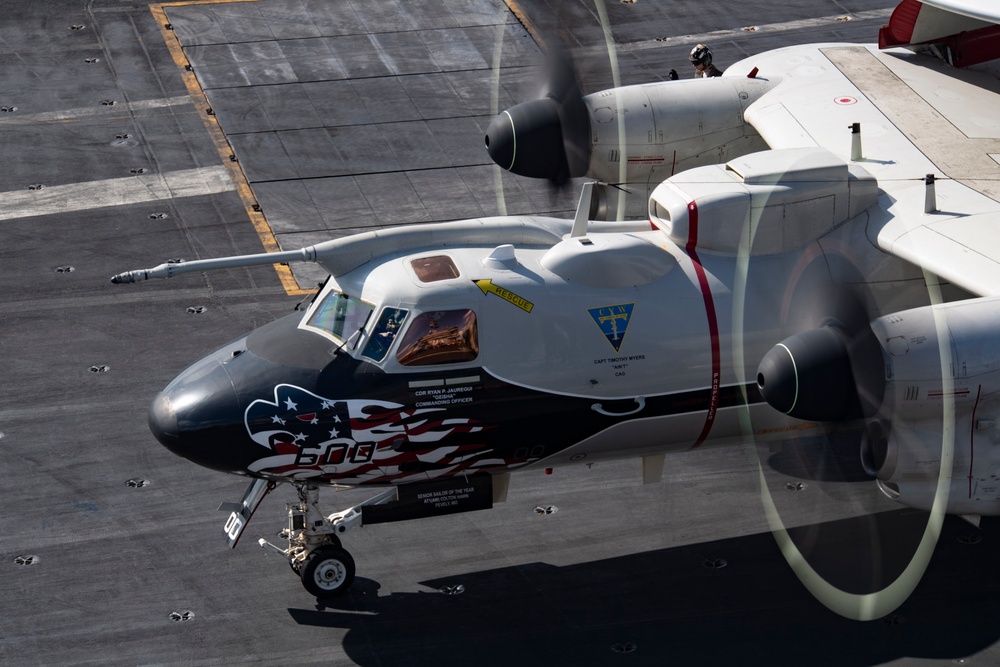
831	369
548	137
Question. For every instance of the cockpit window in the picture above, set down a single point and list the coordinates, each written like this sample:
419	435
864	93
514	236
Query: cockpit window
433	269
440	337
340	315
384	333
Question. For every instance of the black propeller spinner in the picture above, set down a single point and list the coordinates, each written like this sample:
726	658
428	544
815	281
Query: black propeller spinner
831	372
548	137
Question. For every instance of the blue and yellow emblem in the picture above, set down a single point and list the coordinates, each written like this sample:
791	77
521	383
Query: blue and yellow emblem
613	321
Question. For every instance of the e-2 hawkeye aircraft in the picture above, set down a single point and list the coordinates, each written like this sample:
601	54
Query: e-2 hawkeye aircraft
786	293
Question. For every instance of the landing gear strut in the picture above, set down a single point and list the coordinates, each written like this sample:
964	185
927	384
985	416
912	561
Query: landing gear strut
314	549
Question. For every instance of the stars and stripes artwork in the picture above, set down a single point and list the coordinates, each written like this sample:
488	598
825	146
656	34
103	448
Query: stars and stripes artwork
359	440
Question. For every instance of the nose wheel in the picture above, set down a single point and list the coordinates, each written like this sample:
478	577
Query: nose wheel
328	571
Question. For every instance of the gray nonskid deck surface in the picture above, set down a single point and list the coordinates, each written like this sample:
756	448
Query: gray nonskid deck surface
353	119
346	116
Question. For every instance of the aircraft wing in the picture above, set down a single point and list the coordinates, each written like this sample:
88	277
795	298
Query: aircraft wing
965	30
919	116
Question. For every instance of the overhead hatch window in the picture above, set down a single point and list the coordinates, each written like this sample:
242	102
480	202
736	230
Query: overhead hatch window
389	324
340	315
433	269
440	337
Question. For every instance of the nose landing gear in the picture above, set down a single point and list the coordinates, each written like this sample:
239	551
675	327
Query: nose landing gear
314	549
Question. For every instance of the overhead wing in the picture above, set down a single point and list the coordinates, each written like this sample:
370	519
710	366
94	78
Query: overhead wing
918	116
985	10
966	30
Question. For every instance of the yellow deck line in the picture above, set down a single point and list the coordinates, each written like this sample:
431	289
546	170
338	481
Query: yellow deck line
528	24
219	138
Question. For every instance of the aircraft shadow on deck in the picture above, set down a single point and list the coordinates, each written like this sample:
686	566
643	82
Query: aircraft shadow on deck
676	606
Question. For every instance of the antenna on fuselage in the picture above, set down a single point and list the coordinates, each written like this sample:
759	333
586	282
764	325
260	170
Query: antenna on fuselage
583	210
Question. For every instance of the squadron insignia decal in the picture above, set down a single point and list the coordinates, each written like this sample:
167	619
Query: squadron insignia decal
613	321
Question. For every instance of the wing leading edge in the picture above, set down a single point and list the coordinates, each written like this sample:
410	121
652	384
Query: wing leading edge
965	32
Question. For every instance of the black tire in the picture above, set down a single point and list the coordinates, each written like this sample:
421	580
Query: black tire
328	572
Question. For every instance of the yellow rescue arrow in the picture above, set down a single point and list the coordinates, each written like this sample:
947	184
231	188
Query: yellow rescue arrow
488	287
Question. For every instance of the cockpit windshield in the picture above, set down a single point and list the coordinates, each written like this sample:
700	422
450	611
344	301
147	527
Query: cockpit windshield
340	315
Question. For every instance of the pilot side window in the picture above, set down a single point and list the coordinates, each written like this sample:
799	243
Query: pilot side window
440	337
340	315
384	333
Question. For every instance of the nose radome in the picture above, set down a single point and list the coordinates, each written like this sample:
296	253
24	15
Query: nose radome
198	416
163	421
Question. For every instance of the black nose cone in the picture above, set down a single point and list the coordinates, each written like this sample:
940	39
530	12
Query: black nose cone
163	421
198	416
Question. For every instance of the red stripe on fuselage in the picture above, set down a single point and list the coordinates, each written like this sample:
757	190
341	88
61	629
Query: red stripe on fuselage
713	323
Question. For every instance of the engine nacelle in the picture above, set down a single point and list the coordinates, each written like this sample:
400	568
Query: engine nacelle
961	342
671	126
664	128
910	457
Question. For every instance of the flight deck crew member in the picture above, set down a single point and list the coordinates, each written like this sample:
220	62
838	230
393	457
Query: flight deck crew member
701	58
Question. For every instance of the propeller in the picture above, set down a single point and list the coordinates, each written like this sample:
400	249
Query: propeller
831	370
548	137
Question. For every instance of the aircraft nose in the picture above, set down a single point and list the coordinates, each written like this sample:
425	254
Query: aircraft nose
163	421
198	416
